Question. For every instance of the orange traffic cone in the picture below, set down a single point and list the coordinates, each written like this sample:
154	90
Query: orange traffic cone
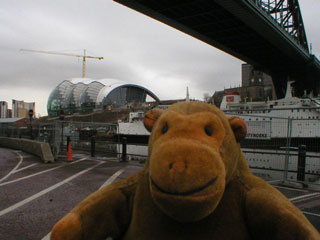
69	152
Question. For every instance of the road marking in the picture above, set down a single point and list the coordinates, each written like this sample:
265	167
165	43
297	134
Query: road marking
312	214
109	181
45	191
112	178
20	169
47	237
14	169
35	174
303	197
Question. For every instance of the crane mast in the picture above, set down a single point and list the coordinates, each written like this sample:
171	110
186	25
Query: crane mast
84	57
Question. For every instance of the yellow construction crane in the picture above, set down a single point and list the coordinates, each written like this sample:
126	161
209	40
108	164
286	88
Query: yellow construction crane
84	57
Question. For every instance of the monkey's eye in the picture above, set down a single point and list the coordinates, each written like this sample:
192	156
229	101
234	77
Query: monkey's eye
164	128
208	130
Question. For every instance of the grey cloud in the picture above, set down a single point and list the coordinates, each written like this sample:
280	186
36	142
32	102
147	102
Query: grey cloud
136	48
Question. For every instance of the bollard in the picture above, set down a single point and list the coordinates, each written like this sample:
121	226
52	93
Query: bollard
93	146
68	141
124	149
301	162
69	153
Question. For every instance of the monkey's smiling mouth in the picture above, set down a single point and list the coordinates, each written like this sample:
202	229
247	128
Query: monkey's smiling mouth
187	193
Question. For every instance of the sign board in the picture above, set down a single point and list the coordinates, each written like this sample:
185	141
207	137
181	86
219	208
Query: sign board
230	98
258	129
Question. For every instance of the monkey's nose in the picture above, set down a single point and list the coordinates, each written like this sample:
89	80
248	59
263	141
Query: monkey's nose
179	166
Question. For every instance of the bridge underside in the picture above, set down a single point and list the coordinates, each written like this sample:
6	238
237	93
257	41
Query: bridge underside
242	30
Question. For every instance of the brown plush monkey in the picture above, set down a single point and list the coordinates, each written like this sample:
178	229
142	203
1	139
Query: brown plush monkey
196	184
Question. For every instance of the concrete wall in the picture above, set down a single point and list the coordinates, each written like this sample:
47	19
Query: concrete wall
40	149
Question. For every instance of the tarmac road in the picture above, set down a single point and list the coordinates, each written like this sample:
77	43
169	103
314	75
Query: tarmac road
34	195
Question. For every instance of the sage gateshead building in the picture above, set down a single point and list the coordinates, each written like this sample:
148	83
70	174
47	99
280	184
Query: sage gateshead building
83	95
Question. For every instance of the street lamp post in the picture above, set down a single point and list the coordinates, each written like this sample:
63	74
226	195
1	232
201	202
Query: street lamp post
30	117
61	117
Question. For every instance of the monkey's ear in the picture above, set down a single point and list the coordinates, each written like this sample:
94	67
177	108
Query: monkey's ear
151	117
239	127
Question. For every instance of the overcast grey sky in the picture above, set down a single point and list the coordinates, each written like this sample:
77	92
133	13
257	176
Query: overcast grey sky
135	48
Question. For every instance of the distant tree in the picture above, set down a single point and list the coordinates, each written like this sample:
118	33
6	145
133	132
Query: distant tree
206	97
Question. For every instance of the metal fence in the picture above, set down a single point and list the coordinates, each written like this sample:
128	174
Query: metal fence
79	134
283	149
275	148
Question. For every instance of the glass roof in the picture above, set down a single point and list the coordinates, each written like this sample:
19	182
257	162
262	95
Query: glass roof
84	95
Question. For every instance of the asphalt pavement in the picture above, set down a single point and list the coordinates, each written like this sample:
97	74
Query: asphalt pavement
35	195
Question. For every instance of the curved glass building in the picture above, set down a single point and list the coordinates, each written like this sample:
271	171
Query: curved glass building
83	95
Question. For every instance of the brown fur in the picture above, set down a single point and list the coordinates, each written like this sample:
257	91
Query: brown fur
196	184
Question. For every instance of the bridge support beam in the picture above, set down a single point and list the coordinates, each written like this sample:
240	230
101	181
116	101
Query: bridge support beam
280	84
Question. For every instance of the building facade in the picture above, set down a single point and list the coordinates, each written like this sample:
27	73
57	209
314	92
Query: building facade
20	109
3	109
83	95
255	86
9	113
